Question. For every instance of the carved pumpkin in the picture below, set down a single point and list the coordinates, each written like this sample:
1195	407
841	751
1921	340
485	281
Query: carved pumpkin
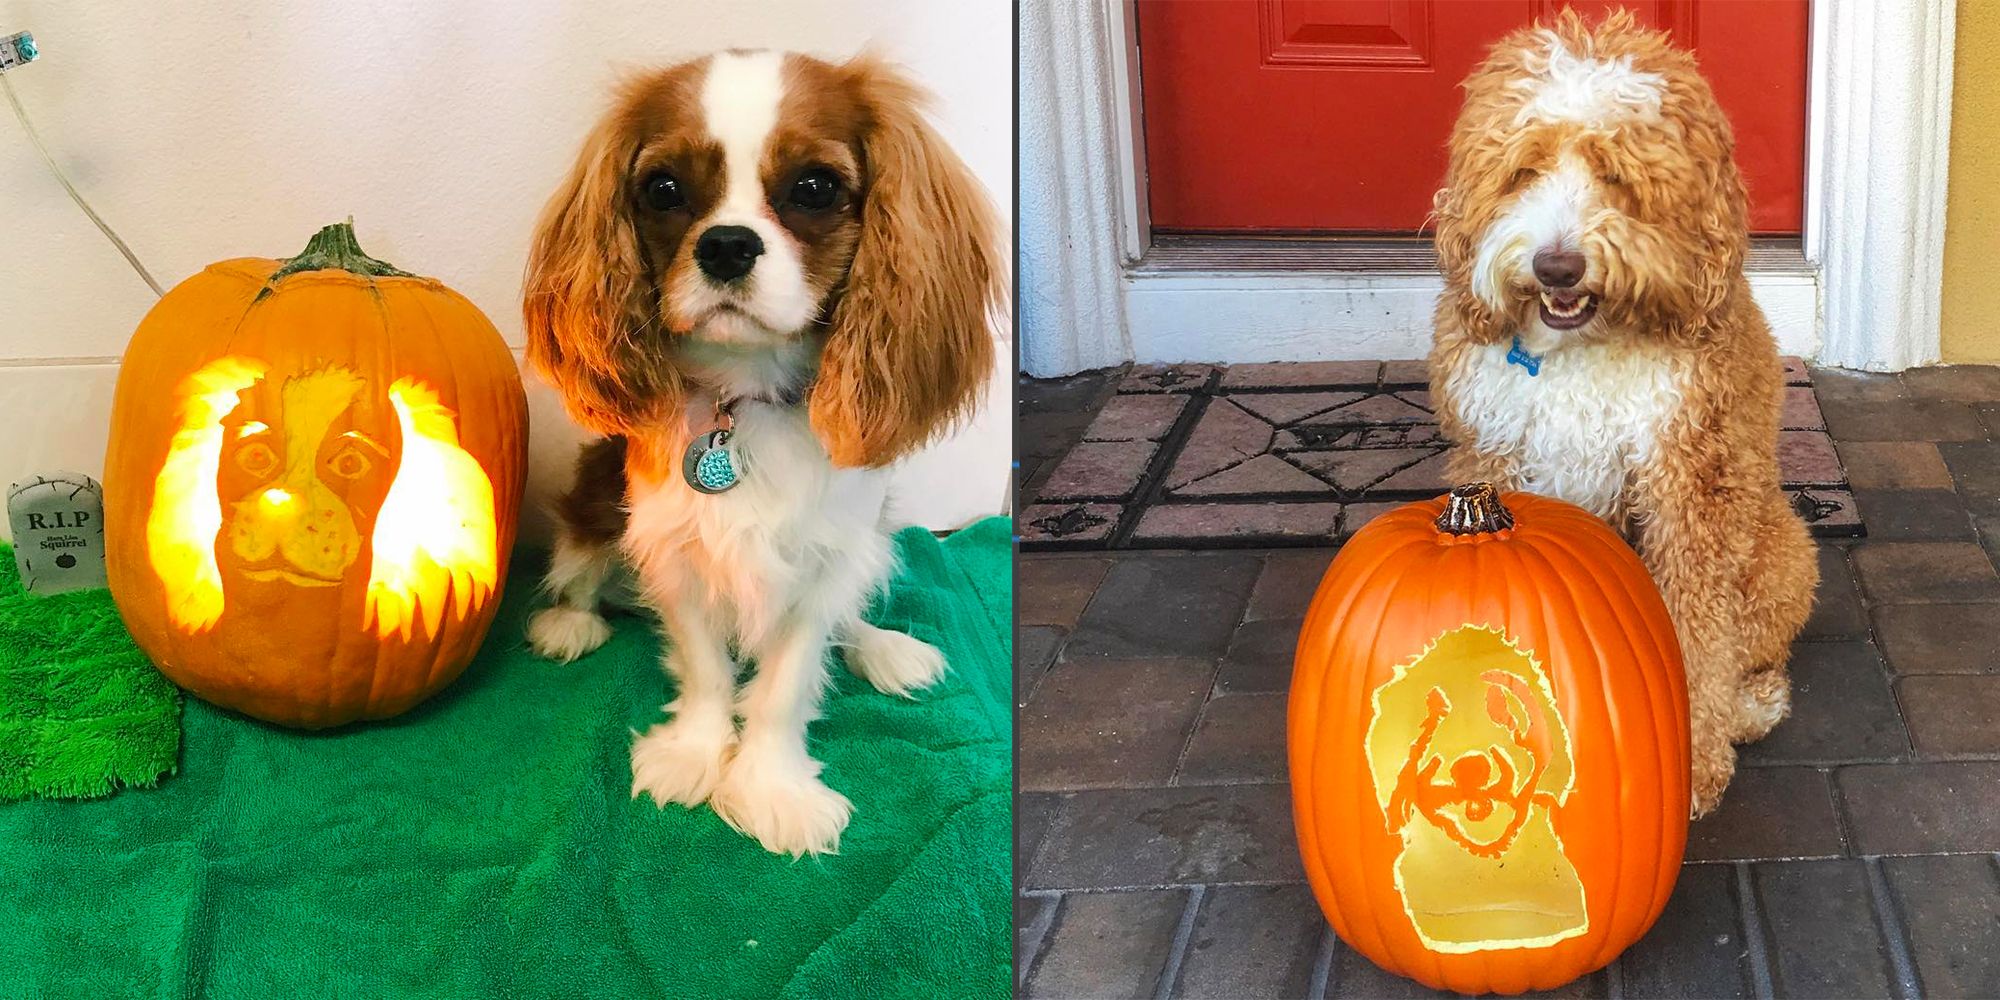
312	482
1488	737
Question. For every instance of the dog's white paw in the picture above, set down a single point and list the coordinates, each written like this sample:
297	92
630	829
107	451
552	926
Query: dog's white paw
893	662
1760	707
563	634
679	761
777	797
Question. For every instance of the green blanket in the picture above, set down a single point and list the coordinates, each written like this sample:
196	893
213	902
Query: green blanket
487	844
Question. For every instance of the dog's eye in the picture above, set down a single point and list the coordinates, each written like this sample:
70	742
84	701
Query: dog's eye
663	193
257	459
815	190
1612	180
1522	178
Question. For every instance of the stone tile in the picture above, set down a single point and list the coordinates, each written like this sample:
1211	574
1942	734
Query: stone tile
1032	917
1914	515
1068	522
1079	393
1989	414
1035	649
1426	477
1285	407
1172	605
1801	410
1381	408
1054	591
1240	737
1945	807
1823	936
1252	941
1223	436
1402	373
1924	572
1287	584
1264	475
1951	909
1975	467
1417	397
1939	638
1901	420
1048	436
1099	470
1962	383
1769	812
1827	513
1697	949
1109	724
1136	417
1808	457
1108	945
1952	715
1260	657
1842	709
1251	522
1358	515
1836	612
1361	469
1852	386
1306	374
1033	812
1325	433
1894	465
1166	378
1795	371
1170	836
1354	976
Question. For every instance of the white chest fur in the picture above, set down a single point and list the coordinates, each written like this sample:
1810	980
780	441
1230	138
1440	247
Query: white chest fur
795	536
1580	429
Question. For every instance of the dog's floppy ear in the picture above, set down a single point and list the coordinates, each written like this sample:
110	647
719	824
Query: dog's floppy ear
910	339
587	307
1457	247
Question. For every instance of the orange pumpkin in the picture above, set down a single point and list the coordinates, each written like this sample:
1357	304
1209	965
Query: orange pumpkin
1488	737
311	487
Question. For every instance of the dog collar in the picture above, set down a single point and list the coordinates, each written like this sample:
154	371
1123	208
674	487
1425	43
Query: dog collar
1520	356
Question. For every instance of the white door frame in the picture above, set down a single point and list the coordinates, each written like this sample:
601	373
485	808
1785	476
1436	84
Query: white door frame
1877	145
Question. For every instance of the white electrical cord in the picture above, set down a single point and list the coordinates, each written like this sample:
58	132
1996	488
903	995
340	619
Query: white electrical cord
22	113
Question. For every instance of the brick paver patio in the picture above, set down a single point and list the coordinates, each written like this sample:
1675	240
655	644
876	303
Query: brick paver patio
1854	855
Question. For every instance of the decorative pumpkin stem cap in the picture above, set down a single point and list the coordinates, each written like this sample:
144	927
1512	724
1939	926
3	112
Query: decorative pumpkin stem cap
334	247
1474	509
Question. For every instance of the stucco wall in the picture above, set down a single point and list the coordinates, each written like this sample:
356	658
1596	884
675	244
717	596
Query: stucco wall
1971	315
227	129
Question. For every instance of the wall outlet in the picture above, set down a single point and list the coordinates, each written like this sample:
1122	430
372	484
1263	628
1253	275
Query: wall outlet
17	49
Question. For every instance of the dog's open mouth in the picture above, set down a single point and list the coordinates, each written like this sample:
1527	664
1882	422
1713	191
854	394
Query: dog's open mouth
1567	309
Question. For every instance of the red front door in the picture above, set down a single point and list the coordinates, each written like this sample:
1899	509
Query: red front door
1332	115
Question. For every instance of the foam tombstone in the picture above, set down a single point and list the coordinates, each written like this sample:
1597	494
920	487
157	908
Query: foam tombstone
314	471
1488	739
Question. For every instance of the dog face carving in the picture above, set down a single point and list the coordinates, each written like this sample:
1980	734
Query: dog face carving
1470	760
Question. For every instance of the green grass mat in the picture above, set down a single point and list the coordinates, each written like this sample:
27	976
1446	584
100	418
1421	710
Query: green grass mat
81	711
487	844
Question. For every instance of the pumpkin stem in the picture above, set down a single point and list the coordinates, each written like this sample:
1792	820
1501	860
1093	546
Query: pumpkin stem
335	248
1474	509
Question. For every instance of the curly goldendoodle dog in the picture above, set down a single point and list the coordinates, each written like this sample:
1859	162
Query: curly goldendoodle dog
1596	341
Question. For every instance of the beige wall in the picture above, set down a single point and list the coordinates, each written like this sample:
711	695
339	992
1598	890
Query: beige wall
1971	308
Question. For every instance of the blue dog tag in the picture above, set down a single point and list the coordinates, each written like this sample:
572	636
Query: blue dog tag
1519	356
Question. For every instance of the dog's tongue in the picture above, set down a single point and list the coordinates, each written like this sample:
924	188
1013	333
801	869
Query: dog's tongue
1564	299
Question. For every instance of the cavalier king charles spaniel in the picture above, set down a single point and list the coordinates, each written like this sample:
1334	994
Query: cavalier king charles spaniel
765	279
1597	341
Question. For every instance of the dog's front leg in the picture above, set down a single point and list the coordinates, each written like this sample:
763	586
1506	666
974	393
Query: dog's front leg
771	788
1693	544
681	760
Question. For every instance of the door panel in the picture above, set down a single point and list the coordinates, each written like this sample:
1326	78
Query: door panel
1332	115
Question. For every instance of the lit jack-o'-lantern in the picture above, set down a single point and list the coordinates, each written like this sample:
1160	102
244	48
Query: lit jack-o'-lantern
1488	738
314	471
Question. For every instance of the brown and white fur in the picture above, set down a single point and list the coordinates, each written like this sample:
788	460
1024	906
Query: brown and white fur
792	235
1593	209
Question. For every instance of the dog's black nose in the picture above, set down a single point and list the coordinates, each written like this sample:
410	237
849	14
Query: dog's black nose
1558	268
727	253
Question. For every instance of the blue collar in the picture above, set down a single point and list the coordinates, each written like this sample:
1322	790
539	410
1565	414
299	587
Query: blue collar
1519	356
